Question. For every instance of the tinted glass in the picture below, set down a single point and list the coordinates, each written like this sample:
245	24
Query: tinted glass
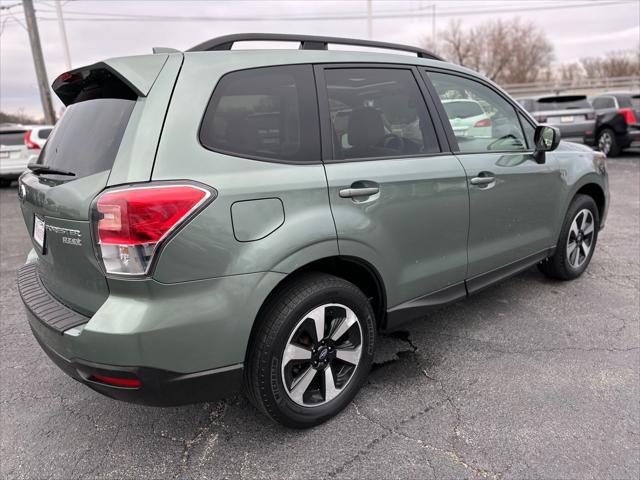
264	113
87	137
44	133
377	113
12	138
550	104
603	102
459	109
497	130
624	101
635	101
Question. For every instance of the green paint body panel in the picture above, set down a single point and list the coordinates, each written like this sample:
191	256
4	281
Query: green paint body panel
426	229
136	155
140	71
416	224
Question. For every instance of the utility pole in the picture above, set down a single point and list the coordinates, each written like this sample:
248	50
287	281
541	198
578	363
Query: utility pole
38	60
369	20
433	25
63	33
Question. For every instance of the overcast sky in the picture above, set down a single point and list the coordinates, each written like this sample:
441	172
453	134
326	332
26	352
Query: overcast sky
99	29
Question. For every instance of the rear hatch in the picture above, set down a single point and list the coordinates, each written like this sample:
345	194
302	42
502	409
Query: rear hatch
99	127
13	150
563	110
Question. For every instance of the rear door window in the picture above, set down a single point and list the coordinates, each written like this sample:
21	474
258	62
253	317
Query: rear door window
378	113
264	113
87	137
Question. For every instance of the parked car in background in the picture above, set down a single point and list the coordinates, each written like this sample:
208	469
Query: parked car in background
19	146
572	114
199	227
467	117
618	121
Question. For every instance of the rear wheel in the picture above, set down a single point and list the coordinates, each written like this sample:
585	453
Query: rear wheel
312	350
607	143
577	240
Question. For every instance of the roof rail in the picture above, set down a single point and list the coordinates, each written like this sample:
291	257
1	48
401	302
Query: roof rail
307	42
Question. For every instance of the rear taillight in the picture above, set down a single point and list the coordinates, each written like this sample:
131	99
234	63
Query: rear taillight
30	143
591	116
485	122
628	114
540	118
131	222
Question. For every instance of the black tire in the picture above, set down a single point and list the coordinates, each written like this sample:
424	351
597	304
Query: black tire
5	182
277	323
560	266
607	143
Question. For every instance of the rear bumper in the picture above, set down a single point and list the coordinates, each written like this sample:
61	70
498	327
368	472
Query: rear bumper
159	388
182	347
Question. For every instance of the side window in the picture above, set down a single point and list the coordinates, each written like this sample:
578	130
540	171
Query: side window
264	113
377	113
480	118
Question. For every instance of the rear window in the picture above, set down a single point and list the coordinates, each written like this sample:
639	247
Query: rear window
462	109
87	137
12	139
44	133
558	103
264	113
624	101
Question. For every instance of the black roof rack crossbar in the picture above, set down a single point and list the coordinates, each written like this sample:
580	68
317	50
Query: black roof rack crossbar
307	42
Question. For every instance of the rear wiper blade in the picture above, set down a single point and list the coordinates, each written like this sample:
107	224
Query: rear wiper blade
37	168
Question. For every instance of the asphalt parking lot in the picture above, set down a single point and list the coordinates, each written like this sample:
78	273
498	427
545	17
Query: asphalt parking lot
529	379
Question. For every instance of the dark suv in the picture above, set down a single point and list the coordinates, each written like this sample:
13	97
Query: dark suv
618	122
222	219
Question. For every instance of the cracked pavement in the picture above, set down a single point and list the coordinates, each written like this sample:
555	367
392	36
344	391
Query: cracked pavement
528	379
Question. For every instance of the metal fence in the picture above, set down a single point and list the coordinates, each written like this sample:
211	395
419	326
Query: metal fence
585	86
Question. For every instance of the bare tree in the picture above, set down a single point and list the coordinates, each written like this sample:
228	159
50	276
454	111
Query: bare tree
505	51
19	117
615	64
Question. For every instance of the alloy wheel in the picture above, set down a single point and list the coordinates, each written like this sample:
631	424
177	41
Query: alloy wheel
580	239
322	354
605	142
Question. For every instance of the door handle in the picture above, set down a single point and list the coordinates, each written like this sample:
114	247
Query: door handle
482	180
358	192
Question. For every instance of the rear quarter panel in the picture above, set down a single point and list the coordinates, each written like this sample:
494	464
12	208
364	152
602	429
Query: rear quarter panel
208	247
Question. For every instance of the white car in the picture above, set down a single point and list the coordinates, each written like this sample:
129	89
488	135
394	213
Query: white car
467	118
19	146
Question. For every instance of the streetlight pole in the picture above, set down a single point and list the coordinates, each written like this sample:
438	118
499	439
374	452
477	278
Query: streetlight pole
369	20
63	33
38	60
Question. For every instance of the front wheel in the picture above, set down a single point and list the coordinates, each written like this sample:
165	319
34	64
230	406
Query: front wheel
577	240
312	350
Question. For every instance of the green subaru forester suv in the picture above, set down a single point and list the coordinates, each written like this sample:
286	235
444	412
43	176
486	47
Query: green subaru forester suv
222	219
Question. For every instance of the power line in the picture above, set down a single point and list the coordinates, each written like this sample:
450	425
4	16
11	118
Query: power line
426	12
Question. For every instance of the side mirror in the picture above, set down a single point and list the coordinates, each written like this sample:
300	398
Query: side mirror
546	139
